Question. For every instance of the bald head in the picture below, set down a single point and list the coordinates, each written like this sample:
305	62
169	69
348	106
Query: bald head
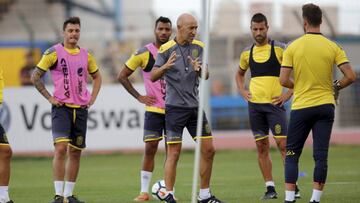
184	19
186	28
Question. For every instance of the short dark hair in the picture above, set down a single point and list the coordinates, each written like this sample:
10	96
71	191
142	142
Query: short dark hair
258	18
163	20
71	20
312	13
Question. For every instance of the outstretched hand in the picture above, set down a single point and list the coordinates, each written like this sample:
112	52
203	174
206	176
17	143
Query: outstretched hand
170	62
195	63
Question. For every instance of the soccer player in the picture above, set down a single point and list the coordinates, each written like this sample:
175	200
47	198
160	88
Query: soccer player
69	66
179	61
265	97
154	124
311	57
5	155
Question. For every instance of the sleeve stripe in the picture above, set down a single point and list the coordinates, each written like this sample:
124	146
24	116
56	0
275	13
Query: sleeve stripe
40	69
342	63
95	71
286	67
242	68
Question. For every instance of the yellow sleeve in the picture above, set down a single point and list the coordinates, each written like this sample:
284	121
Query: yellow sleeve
137	60
244	60
279	54
92	67
340	56
48	59
1	84
287	60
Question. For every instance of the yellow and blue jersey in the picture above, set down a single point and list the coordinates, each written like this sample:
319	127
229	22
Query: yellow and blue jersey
312	57
264	82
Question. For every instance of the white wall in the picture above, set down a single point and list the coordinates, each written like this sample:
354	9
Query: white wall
115	121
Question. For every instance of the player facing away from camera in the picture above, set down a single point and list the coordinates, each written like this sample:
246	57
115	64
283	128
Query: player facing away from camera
179	61
5	155
154	123
311	58
69	66
265	97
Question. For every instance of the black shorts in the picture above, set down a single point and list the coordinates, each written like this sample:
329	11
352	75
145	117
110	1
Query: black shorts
69	125
154	126
267	116
177	118
3	137
319	119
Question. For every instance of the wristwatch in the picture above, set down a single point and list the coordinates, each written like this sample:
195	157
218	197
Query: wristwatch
336	84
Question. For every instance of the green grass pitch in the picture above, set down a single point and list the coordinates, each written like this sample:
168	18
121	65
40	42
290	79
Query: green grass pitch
236	177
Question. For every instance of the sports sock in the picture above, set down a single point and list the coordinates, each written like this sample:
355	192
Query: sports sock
289	195
316	195
204	193
59	187
69	188
145	180
269	183
4	193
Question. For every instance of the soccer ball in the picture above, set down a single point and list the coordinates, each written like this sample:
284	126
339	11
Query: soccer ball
158	190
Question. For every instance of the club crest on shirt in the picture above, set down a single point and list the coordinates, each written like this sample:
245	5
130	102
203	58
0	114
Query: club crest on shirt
195	53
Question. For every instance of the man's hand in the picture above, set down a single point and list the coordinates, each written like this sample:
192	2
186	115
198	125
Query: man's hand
195	63
147	100
55	102
246	95
170	62
281	100
336	89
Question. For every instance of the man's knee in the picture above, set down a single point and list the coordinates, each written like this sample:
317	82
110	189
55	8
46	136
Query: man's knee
263	147
173	151
6	152
208	150
151	148
74	153
61	149
292	156
281	143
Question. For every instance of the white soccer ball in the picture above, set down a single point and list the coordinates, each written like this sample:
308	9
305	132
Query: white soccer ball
158	190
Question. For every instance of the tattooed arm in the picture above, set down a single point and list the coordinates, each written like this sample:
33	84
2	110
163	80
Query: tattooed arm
36	80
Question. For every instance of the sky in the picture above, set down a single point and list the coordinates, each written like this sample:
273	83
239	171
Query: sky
349	10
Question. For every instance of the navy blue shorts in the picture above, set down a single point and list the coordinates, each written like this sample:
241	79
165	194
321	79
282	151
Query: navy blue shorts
177	118
154	126
267	116
3	138
69	125
319	119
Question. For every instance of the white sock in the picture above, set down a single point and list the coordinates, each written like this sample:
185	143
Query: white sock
289	195
4	193
316	194
169	192
145	180
59	187
69	188
204	193
269	183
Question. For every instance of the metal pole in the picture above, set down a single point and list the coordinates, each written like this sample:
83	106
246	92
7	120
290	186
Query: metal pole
206	19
